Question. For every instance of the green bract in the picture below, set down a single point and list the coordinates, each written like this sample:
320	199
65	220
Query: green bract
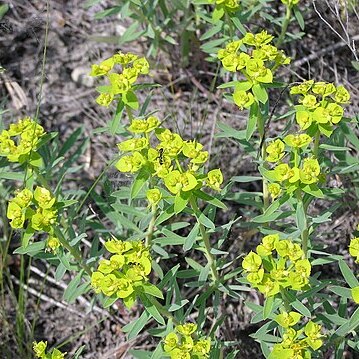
184	343
39	349
321	106
38	207
120	83
257	66
125	272
271	274
19	143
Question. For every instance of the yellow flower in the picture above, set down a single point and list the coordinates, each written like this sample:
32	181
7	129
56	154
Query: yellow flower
44	198
256	277
304	118
243	99
354	248
202	347
96	279
287	320
141	65
275	151
283	248
131	163
16	214
154	196
310	101
342	95
274	190
134	144
119	83
268	287
303	88
105	99
103	68
176	181
117	246
52	243
39	348
170	342
214	179
251	262
267	245
186	329
257	71
310	171
312	331
124	59
144	126
297	140
23	198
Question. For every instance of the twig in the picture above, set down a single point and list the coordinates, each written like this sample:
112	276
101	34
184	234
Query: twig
347	42
321	52
45	298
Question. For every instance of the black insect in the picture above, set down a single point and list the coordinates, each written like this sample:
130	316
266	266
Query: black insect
160	156
6	27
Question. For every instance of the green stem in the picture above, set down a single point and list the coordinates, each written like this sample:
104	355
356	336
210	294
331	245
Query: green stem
93	186
179	167
305	232
264	181
286	304
285	24
316	144
163	311
74	252
151	227
207	245
261	130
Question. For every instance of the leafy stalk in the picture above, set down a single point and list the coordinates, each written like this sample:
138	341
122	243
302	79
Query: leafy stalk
207	245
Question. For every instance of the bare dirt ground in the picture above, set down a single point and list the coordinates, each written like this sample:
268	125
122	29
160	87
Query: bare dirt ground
68	103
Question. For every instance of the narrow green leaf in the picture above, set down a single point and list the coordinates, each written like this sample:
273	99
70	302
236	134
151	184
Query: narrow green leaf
252	121
139	182
348	275
130	99
260	93
268	307
138	325
300	217
69	293
181	200
151	289
191	238
32	249
114	124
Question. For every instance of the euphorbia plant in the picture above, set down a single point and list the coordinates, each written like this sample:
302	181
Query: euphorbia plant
293	170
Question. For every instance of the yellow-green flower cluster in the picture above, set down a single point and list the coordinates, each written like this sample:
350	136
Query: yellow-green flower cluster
229	5
40	351
121	82
38	207
173	160
20	140
321	106
257	64
296	344
127	269
270	273
300	172
183	343
290	3
354	251
52	244
354	248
